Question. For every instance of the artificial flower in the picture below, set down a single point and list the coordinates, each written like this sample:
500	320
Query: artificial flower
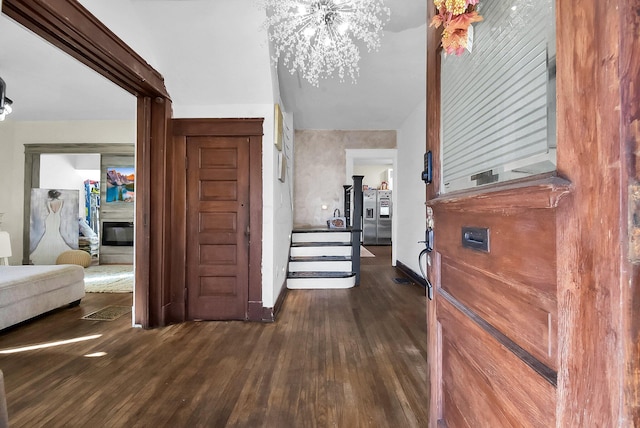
463	21
455	16
454	42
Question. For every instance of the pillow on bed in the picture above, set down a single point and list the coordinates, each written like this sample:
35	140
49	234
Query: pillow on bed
74	257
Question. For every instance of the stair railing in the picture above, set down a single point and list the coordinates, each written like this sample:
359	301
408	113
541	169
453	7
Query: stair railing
347	202
354	218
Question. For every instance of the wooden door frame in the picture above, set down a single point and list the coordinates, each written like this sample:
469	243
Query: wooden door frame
182	128
69	26
599	154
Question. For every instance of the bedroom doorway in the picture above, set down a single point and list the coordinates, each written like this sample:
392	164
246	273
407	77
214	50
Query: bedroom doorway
52	165
79	173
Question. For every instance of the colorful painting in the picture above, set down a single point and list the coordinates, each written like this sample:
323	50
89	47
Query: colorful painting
53	224
121	184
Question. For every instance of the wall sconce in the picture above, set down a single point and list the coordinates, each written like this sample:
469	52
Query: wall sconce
5	102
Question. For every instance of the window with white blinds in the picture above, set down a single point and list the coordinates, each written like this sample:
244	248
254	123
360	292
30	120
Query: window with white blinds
498	102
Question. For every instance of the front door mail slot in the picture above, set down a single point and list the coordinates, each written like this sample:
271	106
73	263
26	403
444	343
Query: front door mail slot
476	238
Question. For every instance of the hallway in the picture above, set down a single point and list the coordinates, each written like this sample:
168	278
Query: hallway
333	358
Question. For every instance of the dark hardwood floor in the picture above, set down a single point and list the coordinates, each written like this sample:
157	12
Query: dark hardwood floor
333	358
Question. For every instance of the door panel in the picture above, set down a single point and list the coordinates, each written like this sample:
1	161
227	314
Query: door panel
217	227
513	286
484	384
496	355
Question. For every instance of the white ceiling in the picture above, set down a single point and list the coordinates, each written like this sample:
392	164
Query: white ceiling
219	41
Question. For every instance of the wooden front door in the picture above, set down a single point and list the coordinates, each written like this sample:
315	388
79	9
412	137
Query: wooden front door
217	227
540	328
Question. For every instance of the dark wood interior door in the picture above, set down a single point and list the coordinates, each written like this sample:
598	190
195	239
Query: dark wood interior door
217	239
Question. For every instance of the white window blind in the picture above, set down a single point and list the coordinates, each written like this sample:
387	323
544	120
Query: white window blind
498	102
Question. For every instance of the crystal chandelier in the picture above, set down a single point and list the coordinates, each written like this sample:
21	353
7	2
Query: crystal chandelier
318	38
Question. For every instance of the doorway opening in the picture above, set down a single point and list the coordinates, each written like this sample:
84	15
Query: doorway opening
379	168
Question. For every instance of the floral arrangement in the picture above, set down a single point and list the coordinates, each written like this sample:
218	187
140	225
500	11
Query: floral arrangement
455	16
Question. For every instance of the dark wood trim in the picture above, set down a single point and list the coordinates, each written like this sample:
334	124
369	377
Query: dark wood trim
178	152
256	311
69	26
280	300
160	212
143	203
224	127
630	138
433	119
255	222
433	106
416	278
74	148
153	213
543	192
597	296
270	314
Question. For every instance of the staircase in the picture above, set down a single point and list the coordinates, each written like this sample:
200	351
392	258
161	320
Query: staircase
321	259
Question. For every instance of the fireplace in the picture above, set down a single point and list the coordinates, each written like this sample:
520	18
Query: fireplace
117	233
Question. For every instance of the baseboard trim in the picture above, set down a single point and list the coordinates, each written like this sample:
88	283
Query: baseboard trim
280	301
418	279
263	314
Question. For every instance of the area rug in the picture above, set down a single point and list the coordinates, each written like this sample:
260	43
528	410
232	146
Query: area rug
108	313
108	279
365	253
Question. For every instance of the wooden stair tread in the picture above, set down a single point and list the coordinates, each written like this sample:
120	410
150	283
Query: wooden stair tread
322	275
319	229
320	259
320	244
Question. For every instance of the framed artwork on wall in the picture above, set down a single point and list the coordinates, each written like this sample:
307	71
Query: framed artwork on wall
53	224
121	184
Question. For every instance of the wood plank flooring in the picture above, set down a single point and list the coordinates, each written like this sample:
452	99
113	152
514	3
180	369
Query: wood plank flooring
333	358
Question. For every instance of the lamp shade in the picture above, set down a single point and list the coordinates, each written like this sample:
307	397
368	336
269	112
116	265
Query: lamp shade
5	244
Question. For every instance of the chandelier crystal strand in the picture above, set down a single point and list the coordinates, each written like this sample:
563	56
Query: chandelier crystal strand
318	38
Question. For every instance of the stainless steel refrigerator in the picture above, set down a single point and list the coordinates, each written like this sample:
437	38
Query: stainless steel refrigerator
377	212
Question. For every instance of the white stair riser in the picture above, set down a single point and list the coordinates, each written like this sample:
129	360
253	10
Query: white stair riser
320	251
332	266
321	237
320	283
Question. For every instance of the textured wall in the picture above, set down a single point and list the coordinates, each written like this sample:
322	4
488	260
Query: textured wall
320	164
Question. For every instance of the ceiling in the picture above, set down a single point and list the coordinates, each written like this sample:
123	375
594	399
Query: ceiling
46	84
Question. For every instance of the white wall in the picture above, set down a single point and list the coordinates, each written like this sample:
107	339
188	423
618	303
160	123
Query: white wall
283	216
13	137
372	174
11	175
409	188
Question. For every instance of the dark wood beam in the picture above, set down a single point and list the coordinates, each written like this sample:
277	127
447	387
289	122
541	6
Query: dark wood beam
69	26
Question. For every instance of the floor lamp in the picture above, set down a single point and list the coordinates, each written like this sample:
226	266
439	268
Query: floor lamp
5	248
